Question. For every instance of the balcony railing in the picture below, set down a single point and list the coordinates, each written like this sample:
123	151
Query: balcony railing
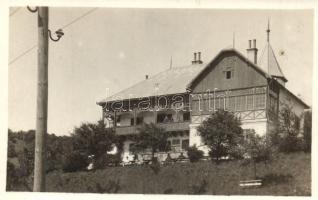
171	126
175	126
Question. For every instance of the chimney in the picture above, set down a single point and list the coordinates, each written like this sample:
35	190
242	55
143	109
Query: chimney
197	61
195	58
252	51
147	77
199	58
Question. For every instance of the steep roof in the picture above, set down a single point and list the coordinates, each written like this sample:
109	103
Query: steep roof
269	63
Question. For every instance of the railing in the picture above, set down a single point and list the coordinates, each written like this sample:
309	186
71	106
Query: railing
171	126
174	126
126	130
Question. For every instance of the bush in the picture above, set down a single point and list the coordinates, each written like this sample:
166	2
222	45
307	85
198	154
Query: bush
307	131
11	150
74	162
237	152
11	176
290	144
194	154
155	165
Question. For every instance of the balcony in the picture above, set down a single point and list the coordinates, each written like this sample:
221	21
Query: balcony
172	126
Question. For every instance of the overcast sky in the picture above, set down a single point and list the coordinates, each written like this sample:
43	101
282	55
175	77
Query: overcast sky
115	48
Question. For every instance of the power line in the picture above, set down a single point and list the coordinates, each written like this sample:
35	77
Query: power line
78	18
13	12
63	27
24	53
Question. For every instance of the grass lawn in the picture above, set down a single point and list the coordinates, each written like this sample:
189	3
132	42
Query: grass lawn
288	174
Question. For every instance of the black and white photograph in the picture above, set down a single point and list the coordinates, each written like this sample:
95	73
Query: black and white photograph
159	100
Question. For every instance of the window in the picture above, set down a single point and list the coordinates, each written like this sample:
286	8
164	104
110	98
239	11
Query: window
164	118
240	103
132	122
249	102
186	116
228	74
232	103
185	144
139	120
259	101
132	147
118	121
175	142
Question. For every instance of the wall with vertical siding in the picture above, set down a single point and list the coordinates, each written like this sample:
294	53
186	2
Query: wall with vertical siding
244	75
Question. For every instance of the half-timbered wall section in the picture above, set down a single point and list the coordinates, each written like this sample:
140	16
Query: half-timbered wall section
247	104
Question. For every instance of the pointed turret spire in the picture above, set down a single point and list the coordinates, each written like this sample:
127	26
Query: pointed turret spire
171	62
268	31
269	62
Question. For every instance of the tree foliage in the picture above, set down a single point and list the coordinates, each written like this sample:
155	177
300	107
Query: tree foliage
307	131
257	149
153	137
221	132
93	139
287	134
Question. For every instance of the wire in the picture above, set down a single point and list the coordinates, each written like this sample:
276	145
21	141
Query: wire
78	18
66	25
24	53
15	11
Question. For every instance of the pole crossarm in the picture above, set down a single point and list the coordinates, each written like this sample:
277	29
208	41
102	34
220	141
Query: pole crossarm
32	10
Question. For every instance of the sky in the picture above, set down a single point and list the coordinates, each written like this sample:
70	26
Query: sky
116	47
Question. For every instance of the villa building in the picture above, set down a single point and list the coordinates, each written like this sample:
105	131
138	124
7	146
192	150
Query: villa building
180	98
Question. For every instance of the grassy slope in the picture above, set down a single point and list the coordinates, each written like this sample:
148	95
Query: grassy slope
180	178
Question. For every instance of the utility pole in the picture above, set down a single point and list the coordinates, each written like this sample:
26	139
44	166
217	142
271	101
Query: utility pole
42	101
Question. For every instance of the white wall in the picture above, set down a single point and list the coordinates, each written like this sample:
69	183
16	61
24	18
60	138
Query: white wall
260	126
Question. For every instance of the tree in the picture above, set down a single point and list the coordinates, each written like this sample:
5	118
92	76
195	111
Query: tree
221	132
257	149
93	139
307	131
287	132
152	136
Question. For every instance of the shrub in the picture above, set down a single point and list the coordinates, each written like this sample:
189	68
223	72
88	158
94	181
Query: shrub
237	152
307	131
11	176
155	165
194	154
114	160
286	135
74	162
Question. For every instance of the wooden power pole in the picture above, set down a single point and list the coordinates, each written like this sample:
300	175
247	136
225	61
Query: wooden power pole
42	101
